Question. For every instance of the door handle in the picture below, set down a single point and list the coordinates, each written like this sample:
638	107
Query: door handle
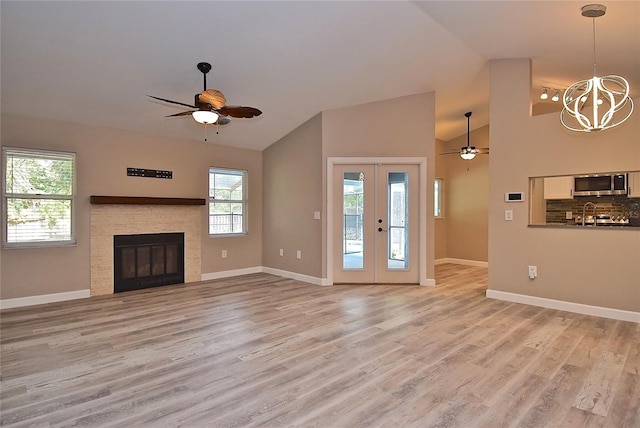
381	229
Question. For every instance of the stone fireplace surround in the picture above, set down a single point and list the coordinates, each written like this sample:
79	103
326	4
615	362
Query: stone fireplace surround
125	216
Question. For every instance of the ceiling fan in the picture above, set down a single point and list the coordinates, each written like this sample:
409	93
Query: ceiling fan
210	105
469	152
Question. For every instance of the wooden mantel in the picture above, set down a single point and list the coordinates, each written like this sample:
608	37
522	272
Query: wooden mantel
144	200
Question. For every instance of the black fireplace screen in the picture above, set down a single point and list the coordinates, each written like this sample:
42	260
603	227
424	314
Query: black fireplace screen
148	260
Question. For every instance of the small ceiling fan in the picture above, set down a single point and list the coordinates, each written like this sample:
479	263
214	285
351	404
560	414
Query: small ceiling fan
210	105
469	152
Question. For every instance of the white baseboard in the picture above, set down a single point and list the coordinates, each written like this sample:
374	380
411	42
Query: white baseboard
263	269
293	275
230	273
427	282
579	308
465	262
45	298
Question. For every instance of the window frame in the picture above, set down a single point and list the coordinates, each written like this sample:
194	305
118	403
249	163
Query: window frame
244	201
9	152
438	197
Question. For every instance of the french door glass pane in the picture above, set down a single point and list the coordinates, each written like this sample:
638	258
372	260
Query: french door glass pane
398	247
353	212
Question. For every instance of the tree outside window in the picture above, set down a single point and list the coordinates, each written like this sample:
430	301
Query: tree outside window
39	195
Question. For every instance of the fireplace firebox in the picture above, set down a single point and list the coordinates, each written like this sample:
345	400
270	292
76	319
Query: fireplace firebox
147	260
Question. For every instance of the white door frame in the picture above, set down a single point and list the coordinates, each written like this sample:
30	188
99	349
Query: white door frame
422	206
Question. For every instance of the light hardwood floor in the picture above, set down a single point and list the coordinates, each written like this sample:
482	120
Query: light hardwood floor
261	350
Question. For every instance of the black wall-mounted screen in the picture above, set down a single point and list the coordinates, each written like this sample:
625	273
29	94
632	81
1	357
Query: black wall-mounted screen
153	173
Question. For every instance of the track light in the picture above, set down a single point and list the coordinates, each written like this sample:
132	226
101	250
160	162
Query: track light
555	91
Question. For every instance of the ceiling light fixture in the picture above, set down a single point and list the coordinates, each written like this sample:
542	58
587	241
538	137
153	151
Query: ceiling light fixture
205	117
548	89
592	105
468	152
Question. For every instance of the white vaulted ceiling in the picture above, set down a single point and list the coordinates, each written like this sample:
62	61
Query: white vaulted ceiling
94	62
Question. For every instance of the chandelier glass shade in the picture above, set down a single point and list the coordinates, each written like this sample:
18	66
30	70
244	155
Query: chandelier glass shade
206	117
600	102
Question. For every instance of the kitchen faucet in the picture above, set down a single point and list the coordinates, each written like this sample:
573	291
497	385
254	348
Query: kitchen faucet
584	209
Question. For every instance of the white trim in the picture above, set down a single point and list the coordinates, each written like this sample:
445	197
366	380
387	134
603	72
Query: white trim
579	308
263	269
298	276
44	298
230	273
465	262
428	282
422	207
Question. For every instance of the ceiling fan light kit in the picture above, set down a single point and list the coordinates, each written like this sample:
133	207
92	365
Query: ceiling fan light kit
206	117
598	103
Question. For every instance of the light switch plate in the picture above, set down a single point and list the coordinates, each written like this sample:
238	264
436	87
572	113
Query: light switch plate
508	215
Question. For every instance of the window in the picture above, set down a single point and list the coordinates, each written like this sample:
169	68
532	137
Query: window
437	197
227	201
38	192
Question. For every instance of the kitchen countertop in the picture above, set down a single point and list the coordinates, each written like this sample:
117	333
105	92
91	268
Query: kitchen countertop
576	226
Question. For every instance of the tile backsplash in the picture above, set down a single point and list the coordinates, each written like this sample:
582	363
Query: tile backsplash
611	205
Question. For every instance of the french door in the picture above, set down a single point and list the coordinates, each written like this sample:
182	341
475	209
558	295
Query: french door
375	226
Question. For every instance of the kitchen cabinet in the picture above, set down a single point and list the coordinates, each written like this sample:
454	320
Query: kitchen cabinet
634	184
558	187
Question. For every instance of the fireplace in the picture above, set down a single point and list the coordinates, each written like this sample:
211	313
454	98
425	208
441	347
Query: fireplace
147	260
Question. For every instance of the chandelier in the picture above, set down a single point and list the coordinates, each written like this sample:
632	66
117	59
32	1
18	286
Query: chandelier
600	102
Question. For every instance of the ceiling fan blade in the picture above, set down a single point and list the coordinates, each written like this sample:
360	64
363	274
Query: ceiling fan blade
212	97
450	153
172	102
184	113
239	111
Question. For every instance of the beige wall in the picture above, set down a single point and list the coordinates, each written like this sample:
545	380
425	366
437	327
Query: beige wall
399	127
440	224
292	191
102	158
467	199
592	267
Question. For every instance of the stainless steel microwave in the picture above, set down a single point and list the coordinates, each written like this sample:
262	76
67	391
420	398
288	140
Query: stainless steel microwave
600	184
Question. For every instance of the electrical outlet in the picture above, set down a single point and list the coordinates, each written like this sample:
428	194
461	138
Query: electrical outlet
298	254
533	272
224	254
281	252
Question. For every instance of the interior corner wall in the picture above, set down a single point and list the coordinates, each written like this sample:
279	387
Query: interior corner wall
292	189
406	130
466	205
440	223
591	267
103	155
